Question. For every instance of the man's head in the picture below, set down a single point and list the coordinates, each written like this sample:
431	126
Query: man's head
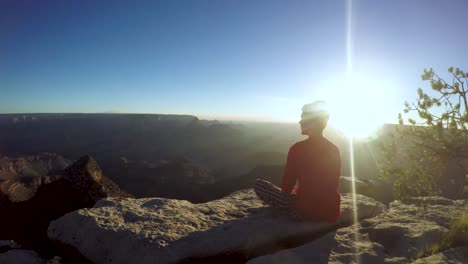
314	118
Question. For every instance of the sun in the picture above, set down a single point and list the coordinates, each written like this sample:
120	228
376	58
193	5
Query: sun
358	105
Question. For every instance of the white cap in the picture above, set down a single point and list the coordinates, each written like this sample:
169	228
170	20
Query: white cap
314	110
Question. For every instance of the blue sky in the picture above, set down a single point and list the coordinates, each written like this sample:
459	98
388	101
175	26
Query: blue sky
256	59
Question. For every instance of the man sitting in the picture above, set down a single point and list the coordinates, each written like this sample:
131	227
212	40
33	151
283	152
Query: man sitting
312	173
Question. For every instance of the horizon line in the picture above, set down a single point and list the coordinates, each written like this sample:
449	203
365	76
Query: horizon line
201	116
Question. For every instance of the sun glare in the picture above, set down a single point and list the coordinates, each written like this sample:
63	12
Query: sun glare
358	106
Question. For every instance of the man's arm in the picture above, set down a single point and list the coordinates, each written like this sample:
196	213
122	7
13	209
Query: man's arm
334	170
289	176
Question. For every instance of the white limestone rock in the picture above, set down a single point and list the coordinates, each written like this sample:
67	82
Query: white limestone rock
457	255
403	233
157	230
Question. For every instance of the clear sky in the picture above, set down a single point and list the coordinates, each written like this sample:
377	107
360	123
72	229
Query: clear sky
245	58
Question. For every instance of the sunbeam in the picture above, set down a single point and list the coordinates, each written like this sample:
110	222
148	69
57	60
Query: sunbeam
353	188
349	69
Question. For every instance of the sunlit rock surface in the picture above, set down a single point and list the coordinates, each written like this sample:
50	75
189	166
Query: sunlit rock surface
457	255
157	230
400	235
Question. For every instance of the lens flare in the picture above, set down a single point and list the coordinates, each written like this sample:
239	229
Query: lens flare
349	5
355	209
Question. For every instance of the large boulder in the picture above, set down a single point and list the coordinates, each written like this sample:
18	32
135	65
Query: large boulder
407	231
27	214
157	230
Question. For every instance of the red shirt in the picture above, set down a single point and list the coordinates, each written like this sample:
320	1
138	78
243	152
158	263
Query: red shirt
315	165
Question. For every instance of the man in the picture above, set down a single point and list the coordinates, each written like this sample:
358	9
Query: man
312	173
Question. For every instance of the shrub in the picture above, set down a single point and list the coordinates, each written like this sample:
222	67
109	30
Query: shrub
423	157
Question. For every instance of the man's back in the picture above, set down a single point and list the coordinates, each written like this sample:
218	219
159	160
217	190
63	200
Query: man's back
315	164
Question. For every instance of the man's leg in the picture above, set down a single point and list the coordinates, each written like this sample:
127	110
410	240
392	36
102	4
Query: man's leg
271	194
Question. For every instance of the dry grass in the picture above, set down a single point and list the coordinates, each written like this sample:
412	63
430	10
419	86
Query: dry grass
458	232
457	236
459	229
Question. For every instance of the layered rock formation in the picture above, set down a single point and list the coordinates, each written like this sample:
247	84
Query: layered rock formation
31	166
157	230
402	234
21	176
26	220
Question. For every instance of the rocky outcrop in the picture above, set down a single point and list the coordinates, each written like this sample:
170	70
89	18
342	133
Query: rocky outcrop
86	177
377	189
26	220
407	231
457	255
157	230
